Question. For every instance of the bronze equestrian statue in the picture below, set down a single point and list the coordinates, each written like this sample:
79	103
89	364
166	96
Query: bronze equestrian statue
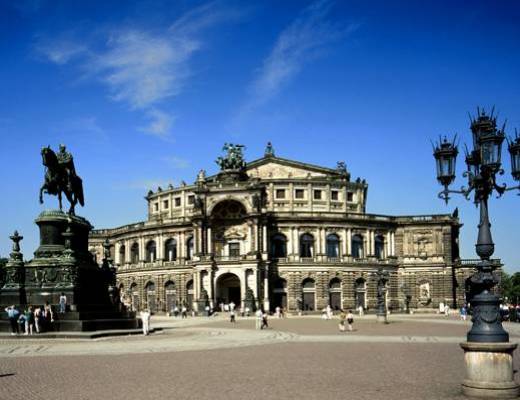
60	177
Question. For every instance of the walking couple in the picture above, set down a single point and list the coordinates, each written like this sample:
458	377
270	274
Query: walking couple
348	318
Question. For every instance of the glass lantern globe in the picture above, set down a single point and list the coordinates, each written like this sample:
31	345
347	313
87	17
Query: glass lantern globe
491	149
514	151
445	157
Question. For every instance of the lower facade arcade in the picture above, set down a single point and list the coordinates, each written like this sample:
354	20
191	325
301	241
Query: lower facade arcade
293	288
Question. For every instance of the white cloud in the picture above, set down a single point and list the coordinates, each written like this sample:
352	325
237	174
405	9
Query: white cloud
295	45
142	68
60	51
159	125
176	162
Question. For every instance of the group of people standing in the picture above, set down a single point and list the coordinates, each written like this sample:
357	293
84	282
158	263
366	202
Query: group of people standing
34	319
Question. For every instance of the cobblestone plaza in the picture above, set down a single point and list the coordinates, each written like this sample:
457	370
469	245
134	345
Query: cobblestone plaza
415	357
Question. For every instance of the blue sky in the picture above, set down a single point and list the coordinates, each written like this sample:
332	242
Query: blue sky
145	93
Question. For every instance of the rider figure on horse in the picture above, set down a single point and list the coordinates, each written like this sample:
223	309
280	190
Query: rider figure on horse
67	163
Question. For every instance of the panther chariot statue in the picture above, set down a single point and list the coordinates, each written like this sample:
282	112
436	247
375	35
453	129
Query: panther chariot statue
60	177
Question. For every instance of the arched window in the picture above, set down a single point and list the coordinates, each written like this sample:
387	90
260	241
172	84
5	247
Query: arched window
361	288
122	254
357	246
379	250
170	250
134	253
189	294
150	296
170	293
134	293
306	245
332	246
189	248
278	246
151	251
335	293
309	292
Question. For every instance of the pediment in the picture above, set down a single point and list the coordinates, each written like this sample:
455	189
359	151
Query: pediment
276	168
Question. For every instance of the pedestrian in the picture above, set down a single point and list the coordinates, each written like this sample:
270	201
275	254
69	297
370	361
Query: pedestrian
145	318
29	321
350	320
176	311
37	319
21	322
184	312
342	318
463	313
361	310
277	312
231	306
446	310
258	319
264	321
13	314
63	303
48	316
328	310
207	309
232	317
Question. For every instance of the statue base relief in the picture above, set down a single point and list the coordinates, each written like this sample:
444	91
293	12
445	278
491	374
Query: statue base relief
489	370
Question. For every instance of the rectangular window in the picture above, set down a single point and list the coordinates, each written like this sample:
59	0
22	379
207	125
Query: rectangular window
299	193
317	195
191	199
334	195
166	204
234	249
156	207
177	202
350	196
280	193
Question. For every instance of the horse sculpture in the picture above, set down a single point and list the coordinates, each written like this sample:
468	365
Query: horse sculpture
60	177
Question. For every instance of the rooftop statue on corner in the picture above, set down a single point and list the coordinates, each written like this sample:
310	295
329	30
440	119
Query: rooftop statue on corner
60	177
234	159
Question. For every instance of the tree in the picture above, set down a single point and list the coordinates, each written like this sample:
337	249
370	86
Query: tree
511	287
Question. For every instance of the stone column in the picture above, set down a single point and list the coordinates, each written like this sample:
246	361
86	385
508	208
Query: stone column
343	243
181	243
392	246
264	238
266	288
243	285
160	248
323	235
388	244
210	287
250	237
209	241
349	242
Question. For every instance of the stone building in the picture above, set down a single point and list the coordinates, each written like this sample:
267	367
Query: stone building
277	232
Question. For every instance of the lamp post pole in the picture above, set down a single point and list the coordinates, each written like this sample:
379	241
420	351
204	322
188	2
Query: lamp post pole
488	354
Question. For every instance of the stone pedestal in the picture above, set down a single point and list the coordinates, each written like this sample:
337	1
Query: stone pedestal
63	264
489	370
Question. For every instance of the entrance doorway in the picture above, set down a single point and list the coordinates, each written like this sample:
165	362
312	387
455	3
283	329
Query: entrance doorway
228	289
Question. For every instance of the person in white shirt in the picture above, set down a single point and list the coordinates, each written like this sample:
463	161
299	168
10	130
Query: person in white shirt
145	318
258	318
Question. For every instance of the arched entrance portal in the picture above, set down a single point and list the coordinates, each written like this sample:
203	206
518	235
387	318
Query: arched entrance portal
228	289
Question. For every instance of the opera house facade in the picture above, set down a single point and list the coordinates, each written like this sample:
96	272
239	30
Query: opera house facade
277	232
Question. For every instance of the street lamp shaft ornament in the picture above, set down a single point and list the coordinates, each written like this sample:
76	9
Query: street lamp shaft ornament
483	164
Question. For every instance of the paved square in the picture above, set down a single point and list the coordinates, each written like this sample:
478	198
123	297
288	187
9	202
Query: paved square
297	358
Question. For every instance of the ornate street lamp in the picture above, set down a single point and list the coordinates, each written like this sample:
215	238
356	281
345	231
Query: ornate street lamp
487	343
382	277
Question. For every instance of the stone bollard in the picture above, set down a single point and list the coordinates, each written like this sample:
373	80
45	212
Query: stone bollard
489	370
